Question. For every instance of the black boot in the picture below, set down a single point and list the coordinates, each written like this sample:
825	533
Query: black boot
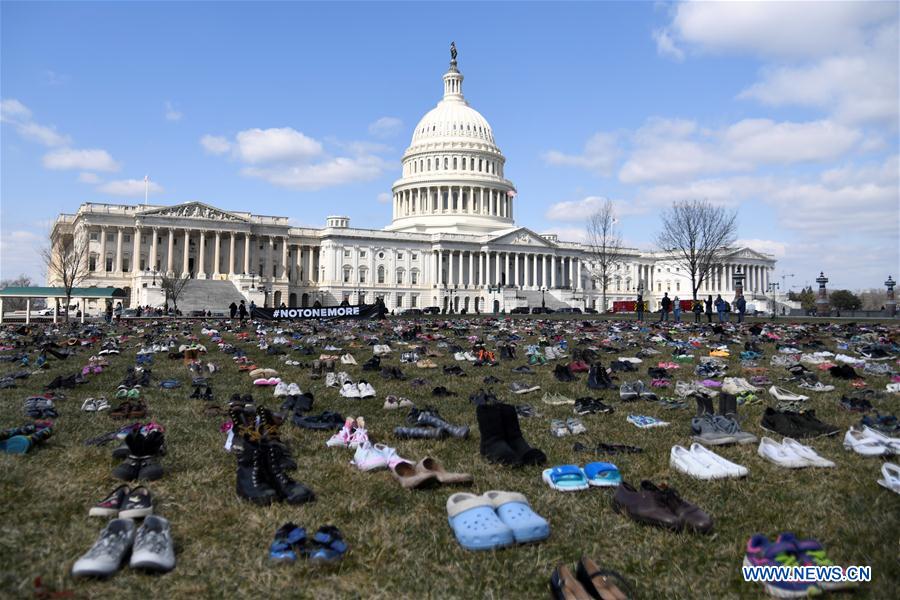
727	404
704	405
287	489
268	425
562	373
598	378
252	482
494	446
525	453
431	417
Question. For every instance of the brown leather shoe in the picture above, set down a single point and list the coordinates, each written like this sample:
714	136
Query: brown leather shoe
564	586
645	507
691	516
121	411
604	584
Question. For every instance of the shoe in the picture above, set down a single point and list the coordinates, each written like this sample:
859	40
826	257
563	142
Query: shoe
153	548
558	428
281	389
252	484
525	453
287	489
779	454
689	515
290	541
106	555
136	504
493	444
360	436
628	393
575	426
565	586
681	459
712	461
522	388
644	506
432	418
109	506
600	583
762	553
327	545
350	390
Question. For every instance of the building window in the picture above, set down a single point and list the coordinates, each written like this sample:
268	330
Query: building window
381	255
454	163
362	253
127	237
346	253
399	276
109	263
92	262
125	264
143	264
399	300
380	274
399	256
463	164
347	274
414	256
362	275
446	162
414	277
95	236
413	301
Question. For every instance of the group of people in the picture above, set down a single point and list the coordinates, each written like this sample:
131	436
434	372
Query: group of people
698	307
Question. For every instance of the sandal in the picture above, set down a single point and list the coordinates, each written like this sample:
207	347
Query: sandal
329	546
565	478
602	583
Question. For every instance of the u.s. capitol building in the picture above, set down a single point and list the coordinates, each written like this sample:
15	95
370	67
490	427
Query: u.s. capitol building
452	241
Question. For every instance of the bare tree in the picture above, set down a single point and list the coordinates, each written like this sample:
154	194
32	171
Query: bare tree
696	233
172	286
15	303
67	265
606	246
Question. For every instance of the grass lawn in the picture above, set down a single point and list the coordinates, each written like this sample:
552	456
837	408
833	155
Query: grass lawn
401	544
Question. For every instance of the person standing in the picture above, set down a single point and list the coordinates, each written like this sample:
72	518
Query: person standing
676	309
698	310
639	307
119	311
665	306
109	312
741	305
709	308
720	308
232	309
242	311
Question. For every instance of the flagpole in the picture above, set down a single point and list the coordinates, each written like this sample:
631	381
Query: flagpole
146	188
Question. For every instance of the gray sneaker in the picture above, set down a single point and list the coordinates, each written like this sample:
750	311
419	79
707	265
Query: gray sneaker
522	388
707	431
628	392
153	548
731	427
105	556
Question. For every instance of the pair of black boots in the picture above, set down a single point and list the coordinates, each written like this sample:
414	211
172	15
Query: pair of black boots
599	379
263	460
501	438
142	457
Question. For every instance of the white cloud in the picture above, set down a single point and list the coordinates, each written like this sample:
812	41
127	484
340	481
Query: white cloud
172	114
84	160
886	173
384	198
260	146
665	45
775	248
764	141
386	127
215	144
599	156
568	234
88	178
725	191
21	251
19	116
13	111
581	210
129	188
780	29
328	173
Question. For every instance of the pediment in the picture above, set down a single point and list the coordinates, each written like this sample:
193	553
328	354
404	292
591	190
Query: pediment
194	210
522	237
749	254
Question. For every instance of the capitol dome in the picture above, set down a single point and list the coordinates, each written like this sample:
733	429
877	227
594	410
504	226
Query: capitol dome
453	171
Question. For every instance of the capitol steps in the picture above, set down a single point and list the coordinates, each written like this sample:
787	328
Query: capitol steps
207	294
532	298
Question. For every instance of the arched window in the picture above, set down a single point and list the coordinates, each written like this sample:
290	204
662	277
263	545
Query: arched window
464	163
429	164
446	163
362	274
380	274
400	274
454	164
414	277
347	274
92	262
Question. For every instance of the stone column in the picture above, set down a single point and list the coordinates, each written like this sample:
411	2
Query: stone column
119	239
577	273
516	267
246	254
284	258
552	271
216	255
544	270
103	248
231	253
471	280
170	254
450	278
201	269
270	257
186	253
497	275
154	240
136	253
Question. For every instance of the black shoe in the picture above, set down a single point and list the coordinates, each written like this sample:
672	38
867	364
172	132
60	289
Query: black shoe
562	373
494	446
420	433
784	423
598	378
129	469
252	484
525	453
287	489
491	380
808	421
432	418
441	392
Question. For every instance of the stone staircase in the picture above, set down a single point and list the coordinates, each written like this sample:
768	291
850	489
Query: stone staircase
208	294
532	298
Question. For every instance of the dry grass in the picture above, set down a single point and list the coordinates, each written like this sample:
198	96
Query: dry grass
401	544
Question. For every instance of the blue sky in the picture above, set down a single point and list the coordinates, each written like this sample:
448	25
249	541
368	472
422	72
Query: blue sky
786	112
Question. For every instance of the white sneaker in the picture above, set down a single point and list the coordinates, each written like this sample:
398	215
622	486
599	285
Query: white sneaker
281	389
713	460
682	460
890	474
294	390
342	437
459	356
347	359
350	390
806	453
367	458
366	390
343	378
153	549
105	556
866	445
331	379
891	443
781	455
360	436
469	357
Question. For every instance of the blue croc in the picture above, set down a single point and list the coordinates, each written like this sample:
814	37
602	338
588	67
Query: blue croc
514	510
17	444
289	539
602	474
566	478
328	545
476	525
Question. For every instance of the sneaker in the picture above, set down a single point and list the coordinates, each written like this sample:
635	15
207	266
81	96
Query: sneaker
138	503
558	428
522	388
360	437
350	390
575	426
367	458
762	553
109	506
294	390
290	540
153	548
330	380
342	437
106	555
328	546
366	390
281	389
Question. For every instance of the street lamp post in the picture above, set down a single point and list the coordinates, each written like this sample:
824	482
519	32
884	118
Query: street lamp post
265	293
450	292
154	278
773	290
890	305
543	291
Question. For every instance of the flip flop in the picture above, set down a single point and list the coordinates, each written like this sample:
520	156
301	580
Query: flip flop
566	478
602	474
432	466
